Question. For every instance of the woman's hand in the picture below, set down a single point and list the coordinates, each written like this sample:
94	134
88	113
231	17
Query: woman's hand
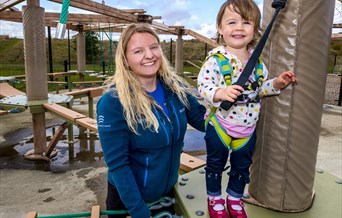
230	93
284	79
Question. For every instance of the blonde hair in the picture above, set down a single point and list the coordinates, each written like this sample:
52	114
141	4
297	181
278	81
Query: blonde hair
248	10
137	104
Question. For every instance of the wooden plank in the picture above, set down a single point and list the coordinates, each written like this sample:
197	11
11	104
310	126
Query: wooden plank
57	82
88	82
8	3
95	92
64	112
32	214
92	83
8	90
201	38
76	93
19	76
61	74
101	9
88	123
91	92
190	163
56	138
3	112
95	211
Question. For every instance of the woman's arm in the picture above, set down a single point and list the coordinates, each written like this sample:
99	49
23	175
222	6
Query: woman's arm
195	114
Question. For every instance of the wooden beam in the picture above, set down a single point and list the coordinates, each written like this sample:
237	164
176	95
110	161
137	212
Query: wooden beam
116	28
96	211
32	214
67	113
7	90
5	4
134	11
190	163
201	38
166	29
101	9
16	16
337	25
116	13
56	137
107	15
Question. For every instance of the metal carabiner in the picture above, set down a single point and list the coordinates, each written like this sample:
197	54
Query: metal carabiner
167	202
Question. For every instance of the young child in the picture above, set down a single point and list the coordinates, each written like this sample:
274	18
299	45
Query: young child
237	26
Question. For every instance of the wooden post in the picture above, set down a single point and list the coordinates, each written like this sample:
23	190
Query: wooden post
95	211
56	138
179	55
81	53
32	214
35	67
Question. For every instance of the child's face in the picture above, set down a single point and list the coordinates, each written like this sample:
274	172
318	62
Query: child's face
237	33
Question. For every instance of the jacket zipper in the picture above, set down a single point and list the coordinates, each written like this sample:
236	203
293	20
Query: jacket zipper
162	122
146	171
177	119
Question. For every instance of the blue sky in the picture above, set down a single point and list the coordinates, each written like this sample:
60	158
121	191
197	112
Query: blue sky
196	15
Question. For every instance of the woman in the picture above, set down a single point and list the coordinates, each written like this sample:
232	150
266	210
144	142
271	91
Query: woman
142	120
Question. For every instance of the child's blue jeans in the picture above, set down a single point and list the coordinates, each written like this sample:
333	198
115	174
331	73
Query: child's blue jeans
217	155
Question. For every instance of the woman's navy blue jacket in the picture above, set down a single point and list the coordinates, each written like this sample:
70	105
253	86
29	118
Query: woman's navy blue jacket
144	167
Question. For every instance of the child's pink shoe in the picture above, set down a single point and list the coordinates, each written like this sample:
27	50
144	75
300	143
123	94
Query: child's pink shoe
215	213
236	213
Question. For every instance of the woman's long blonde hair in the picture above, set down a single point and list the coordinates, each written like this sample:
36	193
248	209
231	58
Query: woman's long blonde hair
137	104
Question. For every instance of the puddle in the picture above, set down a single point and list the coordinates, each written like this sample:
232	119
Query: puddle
84	151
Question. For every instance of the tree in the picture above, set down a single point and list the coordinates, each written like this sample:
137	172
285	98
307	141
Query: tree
92	46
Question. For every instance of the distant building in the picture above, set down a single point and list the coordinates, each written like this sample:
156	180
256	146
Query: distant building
4	36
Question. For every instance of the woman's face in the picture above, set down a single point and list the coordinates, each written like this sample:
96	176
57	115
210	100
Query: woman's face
143	55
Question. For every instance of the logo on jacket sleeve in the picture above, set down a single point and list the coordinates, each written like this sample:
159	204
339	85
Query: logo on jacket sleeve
101	121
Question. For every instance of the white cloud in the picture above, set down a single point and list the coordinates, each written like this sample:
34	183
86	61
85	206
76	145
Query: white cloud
140	3
180	3
12	29
194	17
208	30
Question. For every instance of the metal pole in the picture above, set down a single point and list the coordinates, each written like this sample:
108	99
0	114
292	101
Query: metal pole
205	50
340	95
50	50
69	61
171	51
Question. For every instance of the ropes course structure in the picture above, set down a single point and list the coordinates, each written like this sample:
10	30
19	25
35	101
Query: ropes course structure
294	116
